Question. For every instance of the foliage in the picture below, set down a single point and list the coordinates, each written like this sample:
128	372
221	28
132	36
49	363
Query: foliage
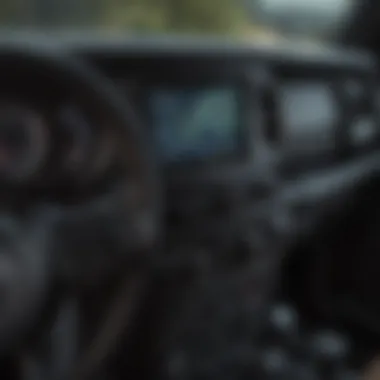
179	16
187	16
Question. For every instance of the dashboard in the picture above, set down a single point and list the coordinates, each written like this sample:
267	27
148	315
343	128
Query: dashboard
266	156
333	92
214	107
223	117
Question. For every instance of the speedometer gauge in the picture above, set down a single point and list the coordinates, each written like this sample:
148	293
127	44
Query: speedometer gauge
23	143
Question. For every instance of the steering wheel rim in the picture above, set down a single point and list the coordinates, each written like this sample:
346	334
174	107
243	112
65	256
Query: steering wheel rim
103	93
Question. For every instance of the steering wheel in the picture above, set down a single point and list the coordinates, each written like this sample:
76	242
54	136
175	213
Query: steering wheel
49	243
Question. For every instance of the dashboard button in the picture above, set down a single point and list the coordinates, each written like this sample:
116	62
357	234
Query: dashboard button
330	347
284	320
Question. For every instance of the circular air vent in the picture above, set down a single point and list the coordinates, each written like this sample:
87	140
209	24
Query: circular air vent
362	130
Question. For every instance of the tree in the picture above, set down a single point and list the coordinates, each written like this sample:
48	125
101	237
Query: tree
180	16
172	16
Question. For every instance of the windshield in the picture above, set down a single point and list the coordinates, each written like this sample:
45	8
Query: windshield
242	18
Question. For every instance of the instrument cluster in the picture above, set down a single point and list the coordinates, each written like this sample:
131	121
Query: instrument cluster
42	148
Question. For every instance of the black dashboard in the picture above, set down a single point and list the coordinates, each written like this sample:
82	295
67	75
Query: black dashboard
278	110
235	127
320	103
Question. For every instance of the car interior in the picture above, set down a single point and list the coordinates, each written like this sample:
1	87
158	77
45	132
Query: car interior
179	208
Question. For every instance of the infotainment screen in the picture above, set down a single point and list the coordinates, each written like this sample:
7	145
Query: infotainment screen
195	123
309	113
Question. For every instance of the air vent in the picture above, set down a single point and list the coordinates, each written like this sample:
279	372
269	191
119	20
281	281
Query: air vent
363	131
271	114
360	107
355	91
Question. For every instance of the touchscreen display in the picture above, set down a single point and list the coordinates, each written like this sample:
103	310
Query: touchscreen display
195	123
309	113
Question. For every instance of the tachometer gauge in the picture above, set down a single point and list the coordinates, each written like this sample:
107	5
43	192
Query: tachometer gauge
23	143
76	141
87	145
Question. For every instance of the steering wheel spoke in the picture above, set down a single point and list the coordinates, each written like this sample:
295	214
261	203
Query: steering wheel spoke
55	354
